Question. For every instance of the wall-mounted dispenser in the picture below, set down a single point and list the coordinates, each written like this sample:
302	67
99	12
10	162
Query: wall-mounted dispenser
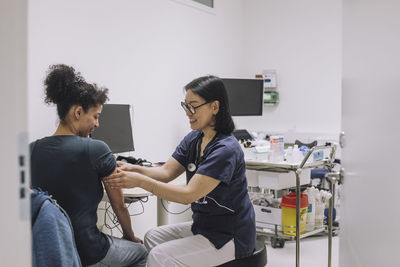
271	94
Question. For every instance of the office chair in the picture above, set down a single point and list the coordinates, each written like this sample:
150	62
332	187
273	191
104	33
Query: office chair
309	145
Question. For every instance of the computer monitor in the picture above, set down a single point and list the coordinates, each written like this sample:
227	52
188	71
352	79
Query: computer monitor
245	96
115	128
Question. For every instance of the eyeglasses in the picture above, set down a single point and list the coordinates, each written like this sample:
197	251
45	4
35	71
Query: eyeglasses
190	108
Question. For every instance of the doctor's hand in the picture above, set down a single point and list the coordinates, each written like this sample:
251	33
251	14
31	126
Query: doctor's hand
122	179
125	166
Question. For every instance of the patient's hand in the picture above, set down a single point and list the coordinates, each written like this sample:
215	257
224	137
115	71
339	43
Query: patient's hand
137	240
133	239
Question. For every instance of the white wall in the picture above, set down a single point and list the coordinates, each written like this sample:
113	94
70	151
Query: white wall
143	51
15	241
146	51
302	41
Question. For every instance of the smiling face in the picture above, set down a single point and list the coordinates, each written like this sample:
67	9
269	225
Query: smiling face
88	121
204	116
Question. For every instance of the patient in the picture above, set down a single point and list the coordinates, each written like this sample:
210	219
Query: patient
70	167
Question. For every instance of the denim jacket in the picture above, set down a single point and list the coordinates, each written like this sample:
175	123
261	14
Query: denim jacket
52	233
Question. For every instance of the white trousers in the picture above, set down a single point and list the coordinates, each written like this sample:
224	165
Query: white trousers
175	245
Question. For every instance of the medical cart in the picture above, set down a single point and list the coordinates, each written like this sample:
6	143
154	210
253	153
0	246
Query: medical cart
278	237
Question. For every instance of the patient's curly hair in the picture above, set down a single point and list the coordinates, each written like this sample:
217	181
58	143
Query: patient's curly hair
65	87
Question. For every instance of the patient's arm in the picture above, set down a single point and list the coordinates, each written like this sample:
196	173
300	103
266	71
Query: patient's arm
116	198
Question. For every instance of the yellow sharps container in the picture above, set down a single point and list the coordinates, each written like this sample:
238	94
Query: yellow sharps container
288	205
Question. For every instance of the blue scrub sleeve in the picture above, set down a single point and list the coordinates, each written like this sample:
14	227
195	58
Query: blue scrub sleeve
220	164
103	161
182	149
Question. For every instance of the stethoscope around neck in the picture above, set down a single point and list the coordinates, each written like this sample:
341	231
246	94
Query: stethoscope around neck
194	159
191	167
194	153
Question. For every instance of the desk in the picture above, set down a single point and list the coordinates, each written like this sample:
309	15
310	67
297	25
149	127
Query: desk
135	192
130	193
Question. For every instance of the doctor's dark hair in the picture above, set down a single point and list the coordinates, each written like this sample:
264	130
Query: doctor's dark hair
212	88
65	87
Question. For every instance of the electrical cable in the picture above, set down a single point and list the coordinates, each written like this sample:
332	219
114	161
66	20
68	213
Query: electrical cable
171	212
141	203
110	218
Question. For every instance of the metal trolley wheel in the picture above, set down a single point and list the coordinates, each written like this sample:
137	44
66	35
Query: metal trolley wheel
277	242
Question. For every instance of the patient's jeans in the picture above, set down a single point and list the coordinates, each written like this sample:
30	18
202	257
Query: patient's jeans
123	253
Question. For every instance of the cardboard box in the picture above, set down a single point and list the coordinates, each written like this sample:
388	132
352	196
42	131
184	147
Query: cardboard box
281	180
268	217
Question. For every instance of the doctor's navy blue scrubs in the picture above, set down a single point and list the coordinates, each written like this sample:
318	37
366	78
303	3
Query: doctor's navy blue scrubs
226	213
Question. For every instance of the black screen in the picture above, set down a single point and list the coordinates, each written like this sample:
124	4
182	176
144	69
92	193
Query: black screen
115	128
245	96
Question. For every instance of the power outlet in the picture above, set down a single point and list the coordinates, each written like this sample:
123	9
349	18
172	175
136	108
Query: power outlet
23	176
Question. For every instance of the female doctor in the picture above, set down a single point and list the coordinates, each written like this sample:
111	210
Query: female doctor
223	227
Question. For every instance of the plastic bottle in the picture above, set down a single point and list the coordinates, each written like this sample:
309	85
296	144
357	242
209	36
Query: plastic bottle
281	146
297	155
276	153
319	210
310	223
289	155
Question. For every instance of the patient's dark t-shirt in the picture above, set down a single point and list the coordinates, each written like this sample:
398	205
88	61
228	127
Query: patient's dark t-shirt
70	169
